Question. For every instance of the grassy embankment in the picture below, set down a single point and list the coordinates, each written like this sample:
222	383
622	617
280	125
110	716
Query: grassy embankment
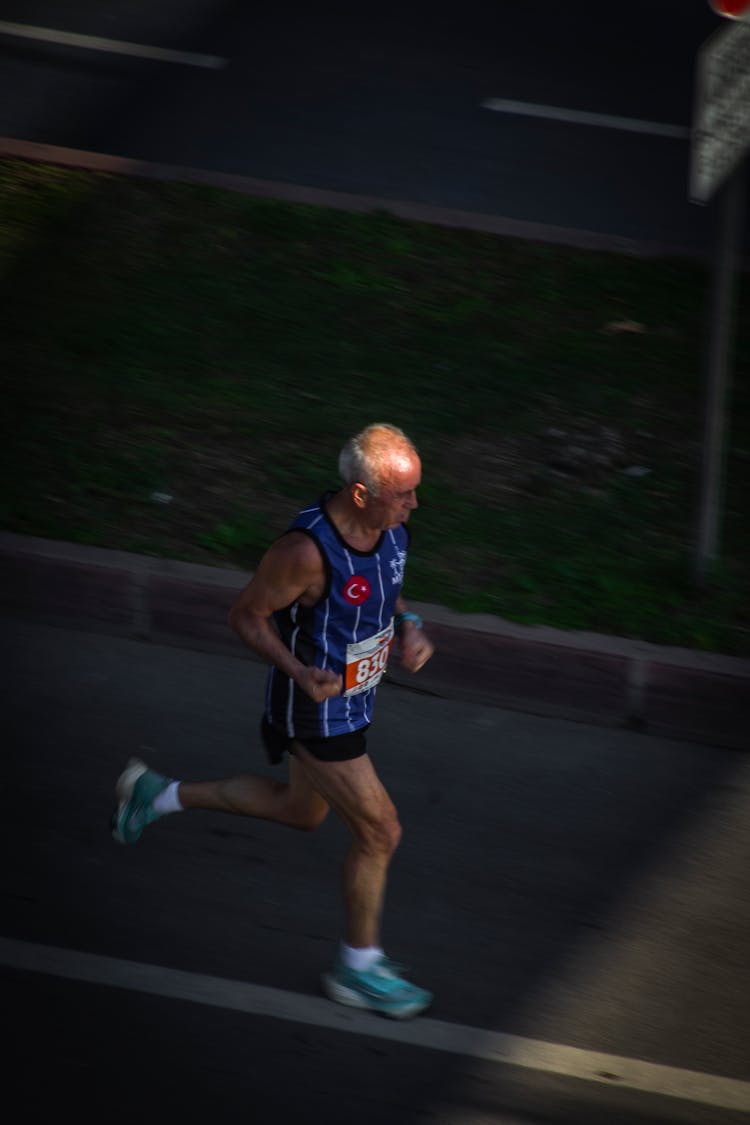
178	340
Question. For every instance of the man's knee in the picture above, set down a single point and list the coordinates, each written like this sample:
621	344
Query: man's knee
394	833
381	835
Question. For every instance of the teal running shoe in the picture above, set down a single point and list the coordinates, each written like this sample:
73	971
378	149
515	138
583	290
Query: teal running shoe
378	989
136	788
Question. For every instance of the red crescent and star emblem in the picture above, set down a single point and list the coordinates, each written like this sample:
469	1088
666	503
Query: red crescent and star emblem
357	590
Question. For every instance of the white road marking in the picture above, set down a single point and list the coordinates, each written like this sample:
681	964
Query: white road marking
112	46
436	1035
582	117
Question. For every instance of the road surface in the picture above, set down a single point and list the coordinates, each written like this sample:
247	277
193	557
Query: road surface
576	897
563	116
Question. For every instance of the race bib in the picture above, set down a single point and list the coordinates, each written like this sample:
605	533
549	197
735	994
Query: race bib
366	661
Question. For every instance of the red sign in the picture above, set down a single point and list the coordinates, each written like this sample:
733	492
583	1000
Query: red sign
732	9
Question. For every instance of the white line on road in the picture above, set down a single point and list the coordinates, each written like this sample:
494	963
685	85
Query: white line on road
436	1035
113	46
582	117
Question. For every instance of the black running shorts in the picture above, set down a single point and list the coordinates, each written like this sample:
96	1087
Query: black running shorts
340	748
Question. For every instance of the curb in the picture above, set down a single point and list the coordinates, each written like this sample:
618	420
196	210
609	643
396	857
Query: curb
412	211
612	681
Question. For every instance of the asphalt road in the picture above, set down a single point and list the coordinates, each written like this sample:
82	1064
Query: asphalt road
580	888
389	103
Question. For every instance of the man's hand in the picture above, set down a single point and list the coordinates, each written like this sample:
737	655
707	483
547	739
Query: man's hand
320	683
416	648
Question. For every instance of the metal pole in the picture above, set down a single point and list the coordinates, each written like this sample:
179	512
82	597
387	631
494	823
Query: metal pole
726	253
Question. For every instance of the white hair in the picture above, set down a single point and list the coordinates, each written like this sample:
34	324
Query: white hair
368	457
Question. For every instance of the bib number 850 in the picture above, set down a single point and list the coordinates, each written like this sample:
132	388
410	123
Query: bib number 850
366	662
368	666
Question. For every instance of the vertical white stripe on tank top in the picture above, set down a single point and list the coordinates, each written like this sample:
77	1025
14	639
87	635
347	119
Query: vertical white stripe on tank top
290	691
382	593
324	639
349	560
369	702
354	638
324	635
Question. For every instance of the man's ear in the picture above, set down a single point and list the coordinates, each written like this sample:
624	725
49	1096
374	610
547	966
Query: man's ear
359	494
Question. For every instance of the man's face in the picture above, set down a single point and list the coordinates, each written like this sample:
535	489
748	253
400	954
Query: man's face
397	497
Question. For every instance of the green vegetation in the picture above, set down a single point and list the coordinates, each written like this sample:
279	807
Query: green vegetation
217	349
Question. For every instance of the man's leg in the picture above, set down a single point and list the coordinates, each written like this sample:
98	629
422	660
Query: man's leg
354	791
363	977
143	796
294	802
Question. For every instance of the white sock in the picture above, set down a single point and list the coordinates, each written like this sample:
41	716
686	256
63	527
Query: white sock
168	800
360	959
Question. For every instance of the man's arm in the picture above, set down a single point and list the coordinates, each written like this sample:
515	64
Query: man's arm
289	570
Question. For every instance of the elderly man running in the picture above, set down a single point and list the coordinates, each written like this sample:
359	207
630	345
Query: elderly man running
323	609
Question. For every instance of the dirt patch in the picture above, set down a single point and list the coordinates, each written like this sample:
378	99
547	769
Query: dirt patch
577	455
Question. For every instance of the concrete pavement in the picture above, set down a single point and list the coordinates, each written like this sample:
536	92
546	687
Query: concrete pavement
672	692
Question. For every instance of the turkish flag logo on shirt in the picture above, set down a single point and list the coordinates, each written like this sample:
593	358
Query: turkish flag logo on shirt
357	590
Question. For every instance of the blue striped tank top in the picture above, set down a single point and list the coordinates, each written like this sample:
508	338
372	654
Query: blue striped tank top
350	630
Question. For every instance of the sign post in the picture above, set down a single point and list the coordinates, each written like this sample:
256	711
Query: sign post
720	140
721	118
